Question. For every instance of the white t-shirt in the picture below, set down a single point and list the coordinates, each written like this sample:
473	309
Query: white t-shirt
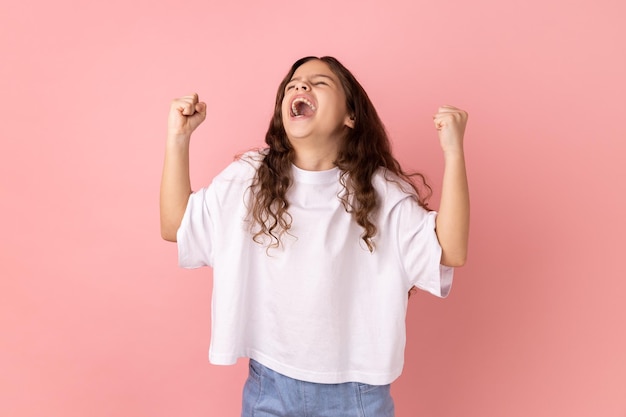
321	308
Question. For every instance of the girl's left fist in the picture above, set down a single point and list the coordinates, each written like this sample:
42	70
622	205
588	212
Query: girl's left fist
450	123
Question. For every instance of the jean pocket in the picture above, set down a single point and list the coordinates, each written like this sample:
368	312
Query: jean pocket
363	388
376	401
255	370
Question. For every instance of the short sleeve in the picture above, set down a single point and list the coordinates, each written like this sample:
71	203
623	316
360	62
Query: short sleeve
194	236
420	252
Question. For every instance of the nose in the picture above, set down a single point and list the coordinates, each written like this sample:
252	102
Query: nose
302	86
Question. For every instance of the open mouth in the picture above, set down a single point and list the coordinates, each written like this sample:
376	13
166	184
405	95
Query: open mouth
302	107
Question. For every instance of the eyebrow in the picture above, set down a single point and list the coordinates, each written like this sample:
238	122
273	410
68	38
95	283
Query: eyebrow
314	76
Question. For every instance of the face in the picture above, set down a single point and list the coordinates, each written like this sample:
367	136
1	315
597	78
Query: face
314	105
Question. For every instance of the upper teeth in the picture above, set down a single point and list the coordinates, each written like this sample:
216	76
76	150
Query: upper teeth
304	100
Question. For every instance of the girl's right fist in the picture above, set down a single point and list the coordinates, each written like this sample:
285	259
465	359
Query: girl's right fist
186	114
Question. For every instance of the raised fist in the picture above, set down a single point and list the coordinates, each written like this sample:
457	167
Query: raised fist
450	123
186	114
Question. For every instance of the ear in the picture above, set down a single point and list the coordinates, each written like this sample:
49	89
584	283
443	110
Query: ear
350	119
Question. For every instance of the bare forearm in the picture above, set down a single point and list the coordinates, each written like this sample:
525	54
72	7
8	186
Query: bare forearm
453	217
175	185
186	114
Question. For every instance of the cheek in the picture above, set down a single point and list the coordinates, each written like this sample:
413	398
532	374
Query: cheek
284	107
338	104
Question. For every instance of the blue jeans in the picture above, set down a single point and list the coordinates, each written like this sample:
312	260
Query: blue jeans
270	394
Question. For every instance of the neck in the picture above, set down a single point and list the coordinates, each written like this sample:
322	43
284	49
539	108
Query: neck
314	158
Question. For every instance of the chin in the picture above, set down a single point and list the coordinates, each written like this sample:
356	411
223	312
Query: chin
295	139
297	133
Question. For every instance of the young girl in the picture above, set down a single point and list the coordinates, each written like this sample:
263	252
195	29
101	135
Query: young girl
315	243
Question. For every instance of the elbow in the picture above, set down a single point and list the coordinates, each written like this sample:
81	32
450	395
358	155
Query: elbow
170	223
168	233
168	237
454	261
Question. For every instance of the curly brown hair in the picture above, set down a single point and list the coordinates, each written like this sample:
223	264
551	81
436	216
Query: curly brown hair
365	150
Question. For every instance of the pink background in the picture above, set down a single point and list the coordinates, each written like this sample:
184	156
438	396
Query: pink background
97	320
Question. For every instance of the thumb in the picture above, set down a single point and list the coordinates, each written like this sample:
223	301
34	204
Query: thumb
201	108
199	114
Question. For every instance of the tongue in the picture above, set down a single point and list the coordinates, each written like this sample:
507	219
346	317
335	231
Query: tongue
304	109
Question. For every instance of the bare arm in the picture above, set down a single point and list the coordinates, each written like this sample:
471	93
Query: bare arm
454	209
186	114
